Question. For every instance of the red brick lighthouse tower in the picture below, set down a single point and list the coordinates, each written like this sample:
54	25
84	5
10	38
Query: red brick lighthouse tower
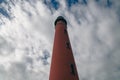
63	65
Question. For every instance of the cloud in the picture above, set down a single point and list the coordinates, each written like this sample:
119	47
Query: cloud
26	40
96	41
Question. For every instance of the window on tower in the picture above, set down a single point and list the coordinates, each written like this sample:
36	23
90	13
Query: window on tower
65	31
68	45
72	69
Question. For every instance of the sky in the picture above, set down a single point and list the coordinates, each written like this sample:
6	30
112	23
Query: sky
27	36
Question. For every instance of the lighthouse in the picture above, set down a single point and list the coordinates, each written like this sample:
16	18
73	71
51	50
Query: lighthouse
63	65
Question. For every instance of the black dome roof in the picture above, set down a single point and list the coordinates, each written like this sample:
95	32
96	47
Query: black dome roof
60	18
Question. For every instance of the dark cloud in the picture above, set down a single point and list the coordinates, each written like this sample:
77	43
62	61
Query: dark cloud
6	48
45	57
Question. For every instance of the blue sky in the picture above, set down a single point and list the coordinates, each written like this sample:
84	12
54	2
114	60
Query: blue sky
27	35
55	4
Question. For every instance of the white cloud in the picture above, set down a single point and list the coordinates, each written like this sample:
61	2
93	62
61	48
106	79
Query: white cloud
26	39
